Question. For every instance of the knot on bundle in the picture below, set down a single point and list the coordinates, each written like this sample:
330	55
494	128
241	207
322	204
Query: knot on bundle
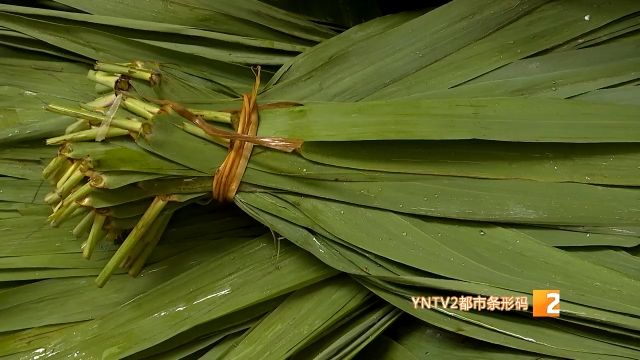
229	175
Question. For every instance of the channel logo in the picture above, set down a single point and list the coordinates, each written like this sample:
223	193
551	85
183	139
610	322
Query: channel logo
546	303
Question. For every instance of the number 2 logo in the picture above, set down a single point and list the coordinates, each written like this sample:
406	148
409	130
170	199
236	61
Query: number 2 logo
546	303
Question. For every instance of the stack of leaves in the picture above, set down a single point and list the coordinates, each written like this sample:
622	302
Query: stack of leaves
487	149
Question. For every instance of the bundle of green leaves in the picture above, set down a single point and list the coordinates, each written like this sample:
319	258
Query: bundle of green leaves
476	149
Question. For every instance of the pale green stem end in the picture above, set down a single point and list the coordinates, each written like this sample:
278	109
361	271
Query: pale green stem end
86	135
95	235
84	225
53	165
139	262
82	210
101	102
134	236
79	125
66	214
134	108
73	180
52	198
145	105
103	78
67	175
141	74
146	238
210	115
78	194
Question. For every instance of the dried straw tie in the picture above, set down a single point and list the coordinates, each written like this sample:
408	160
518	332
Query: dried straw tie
229	175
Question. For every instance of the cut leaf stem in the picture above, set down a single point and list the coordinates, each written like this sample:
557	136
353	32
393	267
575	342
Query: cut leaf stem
85	224
95	235
134	236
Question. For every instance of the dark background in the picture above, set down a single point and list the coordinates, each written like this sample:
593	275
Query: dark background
395	6
343	13
348	13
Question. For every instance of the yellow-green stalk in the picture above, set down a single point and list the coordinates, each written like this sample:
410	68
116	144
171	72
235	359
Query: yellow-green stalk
84	225
136	73
136	109
70	171
53	165
79	125
66	213
95	235
86	135
144	240
210	115
134	236
139	262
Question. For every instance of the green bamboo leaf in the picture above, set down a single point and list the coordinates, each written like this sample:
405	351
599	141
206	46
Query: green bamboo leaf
422	340
612	258
34	60
116	179
33	151
334	12
515	201
23	191
194	347
36	81
237	321
48	273
102	46
603	34
23	209
197	184
165	28
26	42
222	16
20	343
376	266
606	230
573	238
464	251
321	53
302	238
161	136
504	119
199	301
571	312
238	56
386	349
550	85
351	351
31	235
622	95
549	25
37	129
562	62
125	155
53	261
222	348
104	198
522	333
560	75
78	299
312	309
28	170
613	164
177	85
337	343
398	52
